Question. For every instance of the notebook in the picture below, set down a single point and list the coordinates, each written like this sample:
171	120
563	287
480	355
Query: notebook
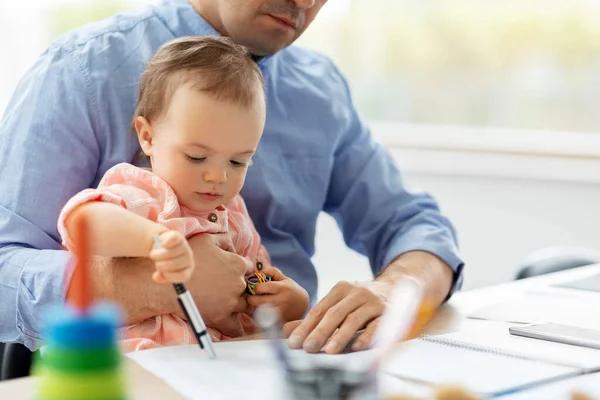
496	334
485	370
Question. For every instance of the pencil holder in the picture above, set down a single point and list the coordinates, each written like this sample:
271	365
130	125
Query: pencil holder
331	383
80	359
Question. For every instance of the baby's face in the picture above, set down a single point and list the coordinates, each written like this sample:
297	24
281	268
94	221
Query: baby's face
203	147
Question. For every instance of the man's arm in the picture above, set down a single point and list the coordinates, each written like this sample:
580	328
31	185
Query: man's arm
425	267
401	231
380	215
128	282
48	152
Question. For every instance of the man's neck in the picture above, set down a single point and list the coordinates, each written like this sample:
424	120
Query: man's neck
207	11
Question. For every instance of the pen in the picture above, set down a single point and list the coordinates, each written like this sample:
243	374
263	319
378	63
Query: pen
192	314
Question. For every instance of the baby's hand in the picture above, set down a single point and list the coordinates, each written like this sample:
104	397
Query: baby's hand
291	298
175	261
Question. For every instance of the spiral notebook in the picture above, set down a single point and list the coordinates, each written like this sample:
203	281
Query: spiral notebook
487	371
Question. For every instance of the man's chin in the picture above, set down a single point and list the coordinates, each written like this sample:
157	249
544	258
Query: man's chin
267	47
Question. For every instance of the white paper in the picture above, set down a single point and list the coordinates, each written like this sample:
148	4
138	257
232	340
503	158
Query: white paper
242	369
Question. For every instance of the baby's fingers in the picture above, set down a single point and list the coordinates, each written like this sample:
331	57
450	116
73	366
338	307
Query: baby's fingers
180	276
274	273
158	277
171	239
167	254
174	265
267	288
176	270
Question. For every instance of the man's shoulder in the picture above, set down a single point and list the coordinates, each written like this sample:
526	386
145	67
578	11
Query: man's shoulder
316	67
114	49
121	25
300	56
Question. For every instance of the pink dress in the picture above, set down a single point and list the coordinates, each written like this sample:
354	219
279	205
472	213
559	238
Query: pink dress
145	194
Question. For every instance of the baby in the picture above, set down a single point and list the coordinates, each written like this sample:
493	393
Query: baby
199	119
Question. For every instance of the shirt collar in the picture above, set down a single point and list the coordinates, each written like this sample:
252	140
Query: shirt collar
183	20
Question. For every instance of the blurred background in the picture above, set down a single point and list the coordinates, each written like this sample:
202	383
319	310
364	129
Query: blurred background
492	107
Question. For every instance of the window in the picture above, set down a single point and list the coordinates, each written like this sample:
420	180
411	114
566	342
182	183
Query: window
532	64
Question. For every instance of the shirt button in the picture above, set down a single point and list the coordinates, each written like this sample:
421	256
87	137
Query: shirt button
259	265
213	217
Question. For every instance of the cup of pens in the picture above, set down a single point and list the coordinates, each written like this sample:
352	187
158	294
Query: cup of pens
312	377
322	378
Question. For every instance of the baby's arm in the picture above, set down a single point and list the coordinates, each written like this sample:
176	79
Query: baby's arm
283	292
117	232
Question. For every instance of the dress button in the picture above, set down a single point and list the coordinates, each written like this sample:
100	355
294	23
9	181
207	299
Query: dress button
259	265
213	217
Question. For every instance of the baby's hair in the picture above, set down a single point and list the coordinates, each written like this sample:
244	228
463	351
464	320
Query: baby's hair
215	65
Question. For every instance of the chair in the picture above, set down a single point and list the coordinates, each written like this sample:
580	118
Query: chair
16	361
556	259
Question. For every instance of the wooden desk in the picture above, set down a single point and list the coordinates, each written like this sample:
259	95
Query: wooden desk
451	318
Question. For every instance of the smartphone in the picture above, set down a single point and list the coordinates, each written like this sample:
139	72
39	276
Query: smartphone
566	334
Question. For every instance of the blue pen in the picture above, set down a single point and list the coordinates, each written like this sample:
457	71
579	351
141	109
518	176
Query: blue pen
192	314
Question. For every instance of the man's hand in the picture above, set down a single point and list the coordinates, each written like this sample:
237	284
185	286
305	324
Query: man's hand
218	284
349	307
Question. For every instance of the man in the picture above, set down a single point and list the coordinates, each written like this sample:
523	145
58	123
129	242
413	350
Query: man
68	122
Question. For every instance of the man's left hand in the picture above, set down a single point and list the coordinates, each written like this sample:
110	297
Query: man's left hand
352	306
349	306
